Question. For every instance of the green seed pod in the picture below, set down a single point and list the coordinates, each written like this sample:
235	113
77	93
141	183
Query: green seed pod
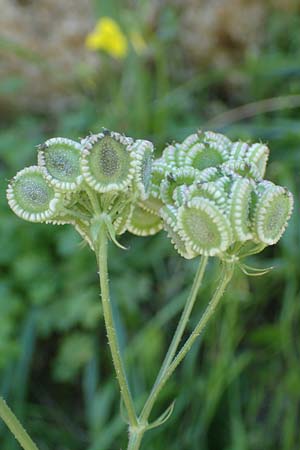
242	168
224	183
205	149
181	156
239	204
186	175
207	137
272	213
169	216
61	159
152	205
257	192
258	154
203	227
159	171
143	155
190	141
143	223
209	174
217	140
180	195
170	156
211	191
175	156
264	186
202	156
107	162
121	221
160	166
239	150
31	197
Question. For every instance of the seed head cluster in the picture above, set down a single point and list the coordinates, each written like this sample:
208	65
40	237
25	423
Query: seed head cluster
207	192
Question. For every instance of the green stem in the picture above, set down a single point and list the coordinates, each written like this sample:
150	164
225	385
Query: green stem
15	427
135	439
93	199
227	273
180	327
110	327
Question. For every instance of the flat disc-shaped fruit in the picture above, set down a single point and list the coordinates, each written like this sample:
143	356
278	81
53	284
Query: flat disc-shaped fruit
107	162
170	156
121	221
143	156
61	159
210	190
215	139
203	227
180	195
190	140
241	167
206	149
258	154
169	216
31	197
159	170
186	175
203	157
143	223
272	213
152	204
239	202
238	150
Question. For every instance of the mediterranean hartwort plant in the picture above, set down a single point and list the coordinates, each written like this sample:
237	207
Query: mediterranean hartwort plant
208	193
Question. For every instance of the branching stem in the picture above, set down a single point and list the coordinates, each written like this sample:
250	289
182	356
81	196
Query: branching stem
180	328
169	365
110	327
138	425
227	273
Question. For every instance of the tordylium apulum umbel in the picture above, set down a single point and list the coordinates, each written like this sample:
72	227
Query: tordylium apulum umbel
208	193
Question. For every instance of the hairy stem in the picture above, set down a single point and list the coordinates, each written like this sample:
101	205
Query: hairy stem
135	438
180	327
227	273
110	327
15	427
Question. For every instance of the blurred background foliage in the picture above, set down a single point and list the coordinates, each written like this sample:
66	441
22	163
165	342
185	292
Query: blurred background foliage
185	65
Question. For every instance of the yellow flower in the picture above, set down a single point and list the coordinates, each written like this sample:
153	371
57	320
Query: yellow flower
109	37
